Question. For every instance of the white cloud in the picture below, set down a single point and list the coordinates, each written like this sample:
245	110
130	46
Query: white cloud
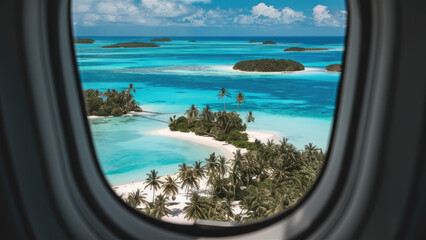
288	16
263	14
244	19
165	8
262	10
177	12
323	17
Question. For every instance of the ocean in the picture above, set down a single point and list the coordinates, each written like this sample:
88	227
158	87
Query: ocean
299	106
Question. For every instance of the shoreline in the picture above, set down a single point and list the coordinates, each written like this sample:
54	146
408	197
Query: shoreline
177	215
227	149
130	114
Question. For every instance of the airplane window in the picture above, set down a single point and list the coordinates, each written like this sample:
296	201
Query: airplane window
210	109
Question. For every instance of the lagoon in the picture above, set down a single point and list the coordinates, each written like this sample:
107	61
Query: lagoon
299	106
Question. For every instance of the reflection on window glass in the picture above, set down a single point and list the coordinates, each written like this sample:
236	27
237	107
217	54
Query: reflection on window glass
210	109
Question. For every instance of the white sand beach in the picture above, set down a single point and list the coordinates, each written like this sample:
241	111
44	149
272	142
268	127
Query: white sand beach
227	149
176	206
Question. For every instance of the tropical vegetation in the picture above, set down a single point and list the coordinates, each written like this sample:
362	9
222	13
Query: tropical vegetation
259	181
161	40
111	102
334	68
269	42
269	65
300	49
83	41
132	45
221	125
251	186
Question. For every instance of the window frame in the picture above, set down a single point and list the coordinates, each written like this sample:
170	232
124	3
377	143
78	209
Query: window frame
220	229
84	205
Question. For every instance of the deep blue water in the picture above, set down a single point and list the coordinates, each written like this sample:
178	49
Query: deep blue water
299	106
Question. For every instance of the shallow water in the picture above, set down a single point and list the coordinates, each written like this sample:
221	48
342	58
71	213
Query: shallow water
299	106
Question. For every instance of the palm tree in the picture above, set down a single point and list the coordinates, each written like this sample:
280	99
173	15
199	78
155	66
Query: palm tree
183	170
226	207
170	187
153	182
240	99
196	208
223	93
192	113
211	164
257	203
207	115
222	165
249	117
136	198
131	88
236	168
190	181
160	210
311	151
199	170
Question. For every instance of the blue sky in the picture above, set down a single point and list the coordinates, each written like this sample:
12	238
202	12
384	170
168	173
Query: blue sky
209	17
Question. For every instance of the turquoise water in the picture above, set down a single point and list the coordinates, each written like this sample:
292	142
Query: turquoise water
299	106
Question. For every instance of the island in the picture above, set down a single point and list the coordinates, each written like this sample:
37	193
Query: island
269	42
83	41
110	102
192	41
258	179
334	68
299	49
253	41
161	40
269	65
132	45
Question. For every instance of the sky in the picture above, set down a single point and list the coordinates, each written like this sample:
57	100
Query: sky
209	17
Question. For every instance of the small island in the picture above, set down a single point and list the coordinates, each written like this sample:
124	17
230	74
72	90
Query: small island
269	42
132	45
83	41
161	40
334	68
192	41
110	102
299	49
269	65
253	41
221	125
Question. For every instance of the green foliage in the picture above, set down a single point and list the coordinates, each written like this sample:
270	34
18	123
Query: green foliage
263	182
110	103
136	198
180	124
222	125
299	49
269	65
132	45
334	68
234	135
83	41
269	42
161	40
158	208
116	112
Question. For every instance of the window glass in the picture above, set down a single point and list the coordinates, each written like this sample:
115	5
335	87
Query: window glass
210	109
